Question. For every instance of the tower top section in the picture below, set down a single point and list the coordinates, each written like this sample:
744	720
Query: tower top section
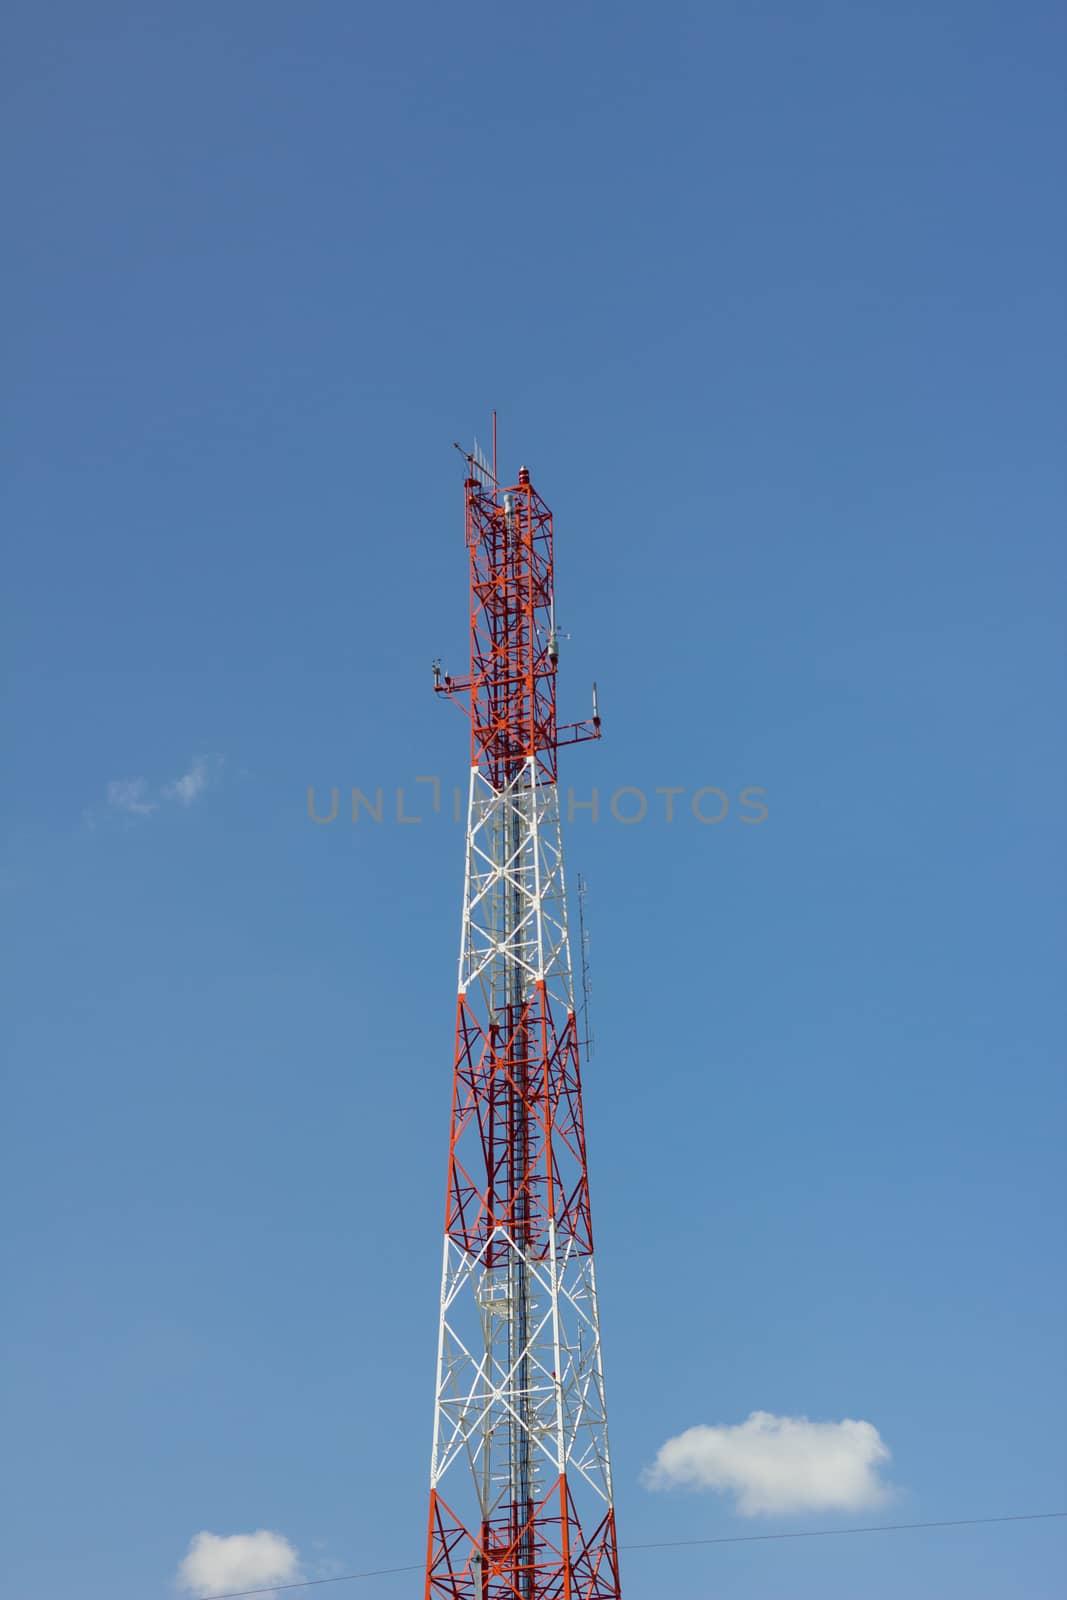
510	692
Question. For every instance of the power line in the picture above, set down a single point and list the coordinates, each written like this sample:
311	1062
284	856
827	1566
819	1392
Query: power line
313	1583
828	1533
677	1544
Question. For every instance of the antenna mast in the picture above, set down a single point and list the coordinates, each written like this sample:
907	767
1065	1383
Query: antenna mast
521	1498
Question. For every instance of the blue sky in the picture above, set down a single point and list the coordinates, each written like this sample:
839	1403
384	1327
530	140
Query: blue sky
769	297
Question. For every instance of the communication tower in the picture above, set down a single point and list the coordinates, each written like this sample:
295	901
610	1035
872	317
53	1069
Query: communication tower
520	1493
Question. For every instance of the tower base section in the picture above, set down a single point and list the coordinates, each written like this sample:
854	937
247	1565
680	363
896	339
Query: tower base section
542	1555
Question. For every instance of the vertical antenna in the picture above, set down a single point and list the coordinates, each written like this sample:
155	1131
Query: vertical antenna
587	985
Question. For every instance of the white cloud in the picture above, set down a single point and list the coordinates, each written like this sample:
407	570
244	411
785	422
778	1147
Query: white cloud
778	1464
218	1563
134	796
130	794
192	783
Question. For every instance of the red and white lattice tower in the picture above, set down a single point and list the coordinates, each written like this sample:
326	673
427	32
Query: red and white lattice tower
520	1498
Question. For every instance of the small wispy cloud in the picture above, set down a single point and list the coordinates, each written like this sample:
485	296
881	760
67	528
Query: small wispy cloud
137	798
191	784
218	1563
778	1465
131	794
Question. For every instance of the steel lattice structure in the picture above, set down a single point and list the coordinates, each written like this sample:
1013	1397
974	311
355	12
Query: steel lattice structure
521	1498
